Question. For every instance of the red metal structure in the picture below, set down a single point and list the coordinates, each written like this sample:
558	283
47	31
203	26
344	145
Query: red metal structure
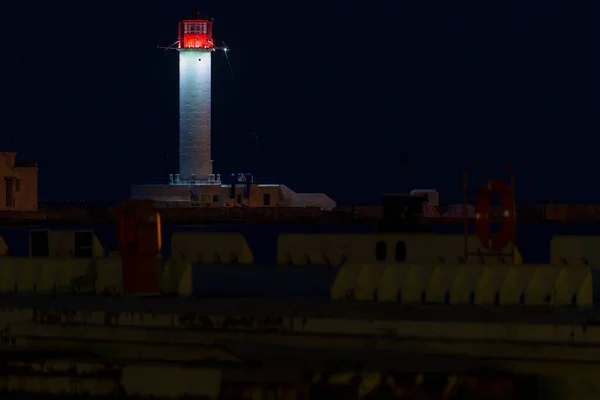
506	192
196	34
506	235
139	236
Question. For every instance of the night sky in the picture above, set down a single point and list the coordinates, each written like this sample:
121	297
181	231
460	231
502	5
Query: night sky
349	98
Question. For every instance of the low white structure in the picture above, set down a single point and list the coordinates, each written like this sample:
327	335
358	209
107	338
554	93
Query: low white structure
220	195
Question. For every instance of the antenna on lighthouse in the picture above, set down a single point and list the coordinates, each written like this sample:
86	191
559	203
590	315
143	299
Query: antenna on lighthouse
257	156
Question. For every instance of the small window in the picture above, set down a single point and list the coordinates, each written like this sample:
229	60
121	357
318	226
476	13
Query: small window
18	185
400	251
381	251
238	198
215	198
267	199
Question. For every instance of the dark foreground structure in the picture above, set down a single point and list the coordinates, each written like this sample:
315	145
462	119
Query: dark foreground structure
207	322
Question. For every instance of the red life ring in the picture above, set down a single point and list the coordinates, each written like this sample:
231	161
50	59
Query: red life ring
490	241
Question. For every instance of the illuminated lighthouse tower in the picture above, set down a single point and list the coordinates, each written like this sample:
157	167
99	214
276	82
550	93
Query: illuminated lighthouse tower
195	185
195	46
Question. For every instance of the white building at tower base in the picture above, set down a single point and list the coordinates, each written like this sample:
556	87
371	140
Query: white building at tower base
220	195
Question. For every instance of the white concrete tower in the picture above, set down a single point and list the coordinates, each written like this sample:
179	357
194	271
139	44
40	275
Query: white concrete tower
195	49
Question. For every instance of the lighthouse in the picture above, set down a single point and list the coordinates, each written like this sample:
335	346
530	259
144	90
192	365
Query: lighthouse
196	185
195	46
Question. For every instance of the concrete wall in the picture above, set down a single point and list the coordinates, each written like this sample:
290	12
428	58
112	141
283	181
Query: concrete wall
276	197
219	196
314	200
493	285
210	195
26	199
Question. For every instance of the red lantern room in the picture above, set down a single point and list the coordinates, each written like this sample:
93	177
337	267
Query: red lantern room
196	34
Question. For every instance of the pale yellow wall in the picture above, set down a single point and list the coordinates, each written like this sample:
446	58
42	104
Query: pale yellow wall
575	250
46	275
175	277
84	275
424	248
109	274
208	247
409	283
61	244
